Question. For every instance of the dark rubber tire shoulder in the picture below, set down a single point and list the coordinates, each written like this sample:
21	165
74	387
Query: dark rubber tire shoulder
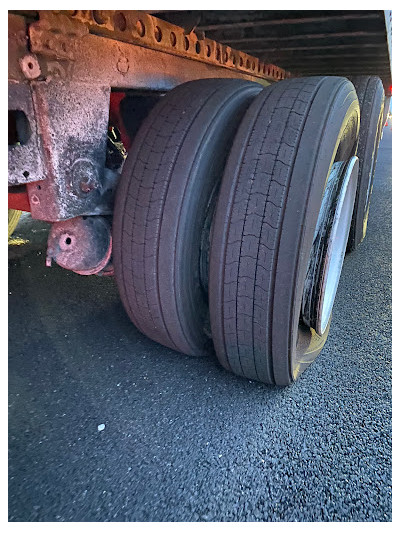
371	96
168	180
265	219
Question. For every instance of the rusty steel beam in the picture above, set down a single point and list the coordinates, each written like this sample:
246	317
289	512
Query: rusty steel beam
106	62
140	28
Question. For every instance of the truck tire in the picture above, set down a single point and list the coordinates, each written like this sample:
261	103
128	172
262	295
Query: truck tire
265	220
371	96
164	205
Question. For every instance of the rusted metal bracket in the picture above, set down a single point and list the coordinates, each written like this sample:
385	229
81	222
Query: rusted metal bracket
62	161
72	120
25	161
62	68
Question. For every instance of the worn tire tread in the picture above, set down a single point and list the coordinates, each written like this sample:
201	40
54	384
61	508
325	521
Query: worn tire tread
153	187
249	222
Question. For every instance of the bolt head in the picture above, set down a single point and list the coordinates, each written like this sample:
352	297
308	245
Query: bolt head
123	65
30	67
87	186
85	176
34	199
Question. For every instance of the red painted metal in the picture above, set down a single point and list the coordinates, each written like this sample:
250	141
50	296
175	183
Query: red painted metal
115	117
100	266
19	200
81	244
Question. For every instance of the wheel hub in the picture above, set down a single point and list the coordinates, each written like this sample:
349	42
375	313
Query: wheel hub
329	245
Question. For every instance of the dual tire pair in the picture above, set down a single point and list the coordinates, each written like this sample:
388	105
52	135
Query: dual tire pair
216	214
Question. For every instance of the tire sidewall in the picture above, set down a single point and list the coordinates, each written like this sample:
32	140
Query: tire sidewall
372	116
206	172
311	170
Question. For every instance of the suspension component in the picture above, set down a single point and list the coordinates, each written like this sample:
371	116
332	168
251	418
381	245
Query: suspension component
81	244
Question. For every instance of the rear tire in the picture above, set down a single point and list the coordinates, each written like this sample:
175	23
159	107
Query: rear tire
371	96
267	211
164	205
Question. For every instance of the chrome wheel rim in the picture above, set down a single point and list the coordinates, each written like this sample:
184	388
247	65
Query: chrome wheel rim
329	245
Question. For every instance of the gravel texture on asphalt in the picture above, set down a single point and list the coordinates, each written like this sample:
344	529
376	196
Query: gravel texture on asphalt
106	425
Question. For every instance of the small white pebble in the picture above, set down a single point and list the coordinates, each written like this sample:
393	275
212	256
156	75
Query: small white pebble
101	427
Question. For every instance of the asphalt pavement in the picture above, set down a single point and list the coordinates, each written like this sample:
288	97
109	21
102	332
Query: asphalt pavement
106	425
